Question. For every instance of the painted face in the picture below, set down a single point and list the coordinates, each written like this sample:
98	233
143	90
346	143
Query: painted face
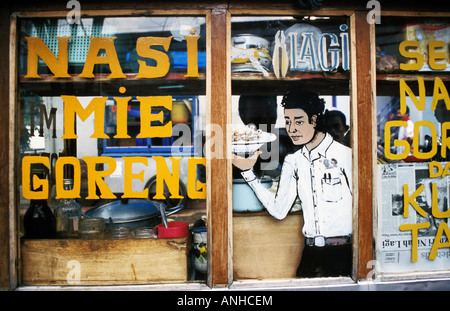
298	127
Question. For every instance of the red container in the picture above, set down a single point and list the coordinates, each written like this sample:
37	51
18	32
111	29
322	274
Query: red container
176	229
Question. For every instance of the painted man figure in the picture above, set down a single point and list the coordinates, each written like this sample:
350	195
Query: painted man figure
320	174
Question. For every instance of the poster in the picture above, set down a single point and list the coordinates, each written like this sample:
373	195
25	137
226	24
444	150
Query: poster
395	247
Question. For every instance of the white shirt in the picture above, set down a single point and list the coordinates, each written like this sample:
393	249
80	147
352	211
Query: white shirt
322	179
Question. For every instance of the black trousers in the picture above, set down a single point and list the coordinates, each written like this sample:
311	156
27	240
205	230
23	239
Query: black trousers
326	261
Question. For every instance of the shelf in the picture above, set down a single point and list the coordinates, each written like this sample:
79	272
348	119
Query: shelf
248	83
324	83
426	75
101	85
388	84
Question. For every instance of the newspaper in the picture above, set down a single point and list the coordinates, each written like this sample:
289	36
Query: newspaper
394	247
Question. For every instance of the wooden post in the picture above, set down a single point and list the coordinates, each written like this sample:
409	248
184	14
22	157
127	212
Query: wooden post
219	179
7	268
362	93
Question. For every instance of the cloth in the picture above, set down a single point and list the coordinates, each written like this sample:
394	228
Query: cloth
322	180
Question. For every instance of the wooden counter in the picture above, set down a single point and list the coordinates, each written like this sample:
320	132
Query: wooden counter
266	248
104	262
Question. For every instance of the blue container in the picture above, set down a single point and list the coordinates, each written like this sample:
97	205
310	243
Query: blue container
244	199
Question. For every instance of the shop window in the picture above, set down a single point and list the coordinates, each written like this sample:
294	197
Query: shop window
412	115
111	118
291	143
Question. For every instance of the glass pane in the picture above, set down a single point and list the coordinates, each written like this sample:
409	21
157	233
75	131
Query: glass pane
112	115
291	143
412	117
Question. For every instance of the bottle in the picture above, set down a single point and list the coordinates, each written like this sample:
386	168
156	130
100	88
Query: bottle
68	215
39	221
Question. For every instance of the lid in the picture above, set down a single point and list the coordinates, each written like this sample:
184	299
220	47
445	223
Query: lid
200	230
122	211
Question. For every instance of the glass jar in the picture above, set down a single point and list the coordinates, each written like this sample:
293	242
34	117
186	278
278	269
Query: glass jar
121	233
144	233
67	214
92	228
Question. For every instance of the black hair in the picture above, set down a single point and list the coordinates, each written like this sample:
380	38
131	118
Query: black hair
309	102
258	109
335	113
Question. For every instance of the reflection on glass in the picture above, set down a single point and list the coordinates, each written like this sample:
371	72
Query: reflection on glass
412	125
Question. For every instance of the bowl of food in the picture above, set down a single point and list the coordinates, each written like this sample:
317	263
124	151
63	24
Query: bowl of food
246	140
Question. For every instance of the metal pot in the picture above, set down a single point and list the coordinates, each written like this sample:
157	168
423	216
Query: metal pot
132	213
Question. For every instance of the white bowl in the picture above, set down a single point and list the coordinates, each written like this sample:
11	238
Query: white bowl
250	147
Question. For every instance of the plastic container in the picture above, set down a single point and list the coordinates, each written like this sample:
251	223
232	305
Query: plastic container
244	199
176	229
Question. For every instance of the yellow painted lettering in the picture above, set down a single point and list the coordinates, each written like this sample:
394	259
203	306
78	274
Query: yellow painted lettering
72	106
128	177
195	188
397	143
164	175
192	56
446	170
414	232
445	141
433	55
434	204
37	49
147	117
110	58
62	193
440	93
122	117
417	56
26	182
405	89
433	151
143	49
443	228
407	200
95	178
431	169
